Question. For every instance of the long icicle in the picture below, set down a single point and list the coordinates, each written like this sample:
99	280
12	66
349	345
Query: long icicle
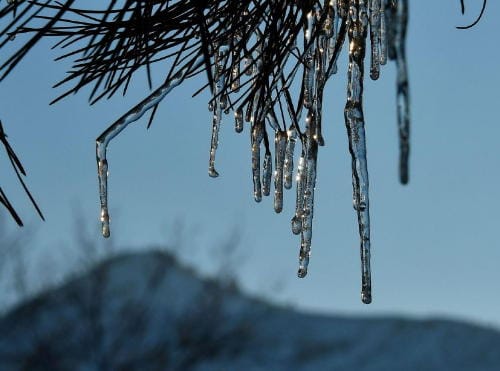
308	193
279	158
118	126
354	119
267	173
218	105
256	138
403	96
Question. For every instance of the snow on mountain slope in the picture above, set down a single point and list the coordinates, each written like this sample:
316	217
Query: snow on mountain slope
144	311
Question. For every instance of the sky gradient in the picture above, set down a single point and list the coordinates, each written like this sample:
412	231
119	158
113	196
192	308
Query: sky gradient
435	250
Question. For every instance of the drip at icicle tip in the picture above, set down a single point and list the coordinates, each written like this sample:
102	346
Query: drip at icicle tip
366	296
219	104
302	272
212	172
304	255
105	223
303	261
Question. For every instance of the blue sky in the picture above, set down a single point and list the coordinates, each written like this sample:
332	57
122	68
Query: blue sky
435	250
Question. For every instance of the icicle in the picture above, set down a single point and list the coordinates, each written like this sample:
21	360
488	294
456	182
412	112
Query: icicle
238	120
220	104
309	52
338	7
223	103
235	71
309	77
307	216
258	131
288	164
317	106
102	169
214	143
313	139
331	30
257	136
343	7
116	128
355	128
249	112
383	34
403	97
279	158
375	37
253	107
299	203
235	75
308	198
391	27
311	22
267	172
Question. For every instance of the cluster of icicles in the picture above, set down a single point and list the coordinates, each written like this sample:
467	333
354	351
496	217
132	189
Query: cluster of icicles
385	22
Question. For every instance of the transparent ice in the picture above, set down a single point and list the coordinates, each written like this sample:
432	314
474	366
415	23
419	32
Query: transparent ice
274	117
117	127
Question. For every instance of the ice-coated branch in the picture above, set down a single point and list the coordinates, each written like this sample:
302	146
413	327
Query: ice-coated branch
268	61
119	125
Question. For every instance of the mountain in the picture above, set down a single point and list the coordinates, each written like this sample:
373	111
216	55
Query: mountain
144	311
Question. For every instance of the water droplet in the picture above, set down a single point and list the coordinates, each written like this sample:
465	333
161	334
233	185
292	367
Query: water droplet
302	272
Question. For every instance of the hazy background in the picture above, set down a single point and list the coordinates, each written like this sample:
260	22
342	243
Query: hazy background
435	245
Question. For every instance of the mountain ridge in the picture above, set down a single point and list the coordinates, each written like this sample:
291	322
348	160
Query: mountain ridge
145	311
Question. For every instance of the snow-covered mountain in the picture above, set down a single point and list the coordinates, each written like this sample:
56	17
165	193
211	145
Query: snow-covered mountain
144	311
